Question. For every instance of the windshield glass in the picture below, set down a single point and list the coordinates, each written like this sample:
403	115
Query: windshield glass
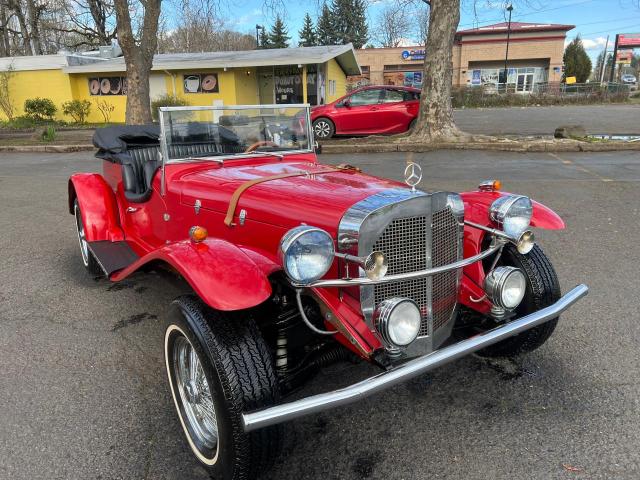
199	132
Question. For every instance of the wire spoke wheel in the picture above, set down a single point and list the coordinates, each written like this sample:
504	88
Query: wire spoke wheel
195	394
82	239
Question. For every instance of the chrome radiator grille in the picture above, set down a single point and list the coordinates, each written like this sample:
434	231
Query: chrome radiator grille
404	241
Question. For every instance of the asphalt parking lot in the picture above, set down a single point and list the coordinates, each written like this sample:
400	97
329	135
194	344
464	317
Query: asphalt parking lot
609	119
83	393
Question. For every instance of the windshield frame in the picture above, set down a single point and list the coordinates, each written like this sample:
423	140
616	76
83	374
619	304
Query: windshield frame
164	150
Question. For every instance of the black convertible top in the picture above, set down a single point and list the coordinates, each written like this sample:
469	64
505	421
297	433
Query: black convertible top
114	142
115	139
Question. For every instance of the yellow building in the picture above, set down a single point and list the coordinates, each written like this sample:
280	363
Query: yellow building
314	75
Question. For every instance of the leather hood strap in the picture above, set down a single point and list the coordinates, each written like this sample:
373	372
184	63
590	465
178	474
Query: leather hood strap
235	198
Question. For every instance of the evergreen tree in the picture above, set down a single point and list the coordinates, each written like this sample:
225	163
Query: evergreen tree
576	61
278	36
308	33
360	31
265	41
350	22
325	32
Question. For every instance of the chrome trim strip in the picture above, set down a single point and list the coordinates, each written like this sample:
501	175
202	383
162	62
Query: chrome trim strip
350	282
325	401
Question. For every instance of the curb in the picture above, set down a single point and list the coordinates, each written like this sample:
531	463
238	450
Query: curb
46	148
523	147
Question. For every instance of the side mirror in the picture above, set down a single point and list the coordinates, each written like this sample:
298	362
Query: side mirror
347	103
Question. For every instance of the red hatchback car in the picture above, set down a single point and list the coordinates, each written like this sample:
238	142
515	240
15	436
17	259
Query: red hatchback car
376	109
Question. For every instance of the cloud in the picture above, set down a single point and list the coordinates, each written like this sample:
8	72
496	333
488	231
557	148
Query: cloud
590	43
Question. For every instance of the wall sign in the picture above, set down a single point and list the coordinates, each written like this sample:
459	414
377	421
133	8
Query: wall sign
629	40
413	54
201	83
108	86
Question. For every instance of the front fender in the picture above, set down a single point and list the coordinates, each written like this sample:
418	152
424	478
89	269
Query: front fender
98	206
477	205
222	275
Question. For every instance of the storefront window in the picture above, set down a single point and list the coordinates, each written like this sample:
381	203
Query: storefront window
288	83
312	84
520	79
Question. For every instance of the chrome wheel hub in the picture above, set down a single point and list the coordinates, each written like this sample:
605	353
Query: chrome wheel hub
195	394
322	129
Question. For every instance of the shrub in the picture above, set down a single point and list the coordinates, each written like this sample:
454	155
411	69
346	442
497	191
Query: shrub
49	134
106	109
166	101
77	109
39	108
6	98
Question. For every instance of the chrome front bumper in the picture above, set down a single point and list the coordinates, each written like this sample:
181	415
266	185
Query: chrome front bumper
324	401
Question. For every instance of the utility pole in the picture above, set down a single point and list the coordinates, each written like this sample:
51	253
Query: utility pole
603	67
258	28
506	55
615	59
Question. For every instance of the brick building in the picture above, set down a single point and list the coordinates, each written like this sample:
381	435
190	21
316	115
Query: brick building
535	57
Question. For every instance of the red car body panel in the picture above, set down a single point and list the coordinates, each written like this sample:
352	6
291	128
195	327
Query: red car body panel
98	207
230	270
379	118
211	267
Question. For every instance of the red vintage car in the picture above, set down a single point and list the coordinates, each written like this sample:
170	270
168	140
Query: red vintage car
294	265
375	109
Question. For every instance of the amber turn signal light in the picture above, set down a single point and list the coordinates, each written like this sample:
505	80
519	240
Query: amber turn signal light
198	234
490	185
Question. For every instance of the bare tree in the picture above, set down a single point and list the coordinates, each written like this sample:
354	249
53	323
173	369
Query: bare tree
422	24
86	22
138	49
392	26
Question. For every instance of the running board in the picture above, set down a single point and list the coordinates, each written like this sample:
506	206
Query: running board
112	256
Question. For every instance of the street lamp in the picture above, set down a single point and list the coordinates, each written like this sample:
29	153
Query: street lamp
506	55
258	27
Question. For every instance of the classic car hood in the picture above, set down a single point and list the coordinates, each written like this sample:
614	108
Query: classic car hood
320	200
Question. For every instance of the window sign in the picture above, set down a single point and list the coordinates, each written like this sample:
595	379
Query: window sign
201	83
108	86
288	84
475	77
412	79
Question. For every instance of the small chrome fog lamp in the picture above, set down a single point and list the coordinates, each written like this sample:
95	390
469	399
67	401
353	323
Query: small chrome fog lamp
505	287
397	320
375	266
526	242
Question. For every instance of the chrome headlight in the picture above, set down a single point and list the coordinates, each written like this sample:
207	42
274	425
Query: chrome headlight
505	287
306	253
512	213
397	320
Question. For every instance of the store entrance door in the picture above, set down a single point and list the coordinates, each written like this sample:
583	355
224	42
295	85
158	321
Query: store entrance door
524	83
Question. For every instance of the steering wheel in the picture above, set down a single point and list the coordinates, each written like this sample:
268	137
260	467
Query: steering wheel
262	143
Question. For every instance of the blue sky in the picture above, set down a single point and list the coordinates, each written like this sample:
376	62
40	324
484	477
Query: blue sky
594	19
